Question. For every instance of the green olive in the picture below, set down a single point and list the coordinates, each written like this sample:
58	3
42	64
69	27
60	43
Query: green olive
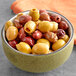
40	48
34	13
44	41
11	33
23	47
58	44
30	27
55	26
45	26
7	24
66	38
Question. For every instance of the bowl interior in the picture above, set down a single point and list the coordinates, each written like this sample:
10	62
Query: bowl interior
70	33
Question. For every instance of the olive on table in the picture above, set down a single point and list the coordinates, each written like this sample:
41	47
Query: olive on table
40	48
52	37
34	13
11	33
45	26
30	27
58	44
23	47
7	24
44	41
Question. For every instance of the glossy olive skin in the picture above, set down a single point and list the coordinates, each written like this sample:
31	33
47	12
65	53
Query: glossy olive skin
44	41
58	44
52	37
7	24
66	38
40	48
45	26
19	15
30	27
17	24
44	17
55	26
60	33
24	18
12	43
11	33
63	25
34	13
23	47
37	34
55	17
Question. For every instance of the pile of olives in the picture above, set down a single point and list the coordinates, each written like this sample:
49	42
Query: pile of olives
37	32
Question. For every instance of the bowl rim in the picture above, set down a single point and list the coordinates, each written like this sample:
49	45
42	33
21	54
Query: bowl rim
71	36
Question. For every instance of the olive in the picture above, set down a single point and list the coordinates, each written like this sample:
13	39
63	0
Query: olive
45	26
63	25
40	48
17	24
11	33
34	13
19	14
52	37
30	27
24	18
7	24
58	44
55	17
44	41
21	34
66	38
23	47
44	17
60	33
12	43
55	26
29	40
37	34
42	11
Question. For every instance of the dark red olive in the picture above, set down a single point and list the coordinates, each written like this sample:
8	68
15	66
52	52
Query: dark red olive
63	25
60	33
21	33
37	34
44	16
17	24
42	10
29	40
24	18
13	43
55	17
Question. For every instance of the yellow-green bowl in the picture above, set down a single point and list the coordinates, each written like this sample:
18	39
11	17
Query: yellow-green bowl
38	63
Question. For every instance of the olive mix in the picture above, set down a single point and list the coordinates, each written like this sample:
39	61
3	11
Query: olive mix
37	32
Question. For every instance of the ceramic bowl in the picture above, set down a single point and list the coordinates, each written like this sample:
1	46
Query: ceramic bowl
39	63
